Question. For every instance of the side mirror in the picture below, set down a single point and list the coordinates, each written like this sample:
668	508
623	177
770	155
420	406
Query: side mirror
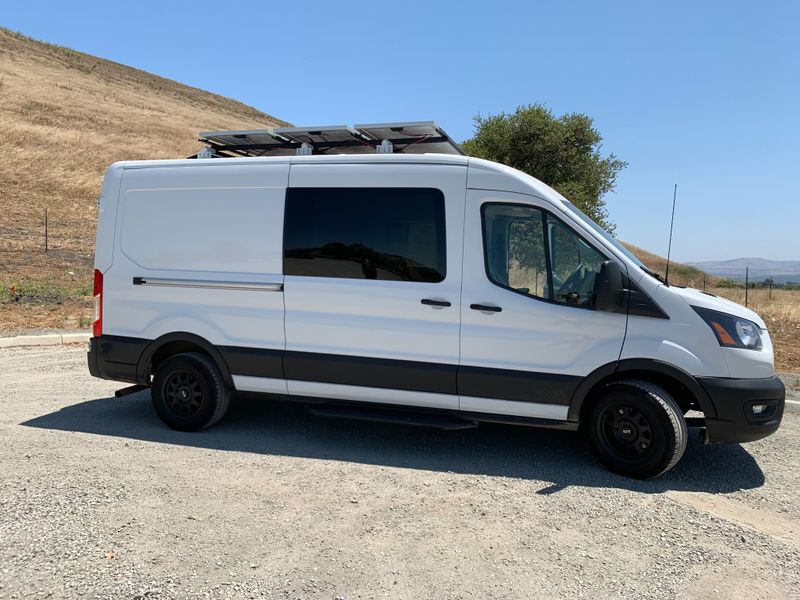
608	290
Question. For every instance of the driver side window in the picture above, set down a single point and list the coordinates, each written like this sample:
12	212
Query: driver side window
575	265
533	253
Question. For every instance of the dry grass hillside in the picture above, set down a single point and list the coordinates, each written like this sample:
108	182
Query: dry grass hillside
679	274
65	116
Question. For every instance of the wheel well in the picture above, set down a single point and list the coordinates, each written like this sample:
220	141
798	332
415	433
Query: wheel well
682	395
171	349
178	343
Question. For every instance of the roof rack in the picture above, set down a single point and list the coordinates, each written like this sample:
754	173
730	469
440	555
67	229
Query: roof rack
416	137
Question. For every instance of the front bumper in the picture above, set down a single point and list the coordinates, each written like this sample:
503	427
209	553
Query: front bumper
734	399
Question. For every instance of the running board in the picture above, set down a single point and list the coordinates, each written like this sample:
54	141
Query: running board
130	390
414	419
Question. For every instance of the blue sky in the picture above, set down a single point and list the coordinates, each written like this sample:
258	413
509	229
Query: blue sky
702	94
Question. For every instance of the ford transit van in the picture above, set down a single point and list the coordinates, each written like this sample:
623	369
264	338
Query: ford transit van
426	288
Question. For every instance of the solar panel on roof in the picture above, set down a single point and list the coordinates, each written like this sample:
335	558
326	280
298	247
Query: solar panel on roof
389	131
331	133
329	139
410	138
253	142
416	137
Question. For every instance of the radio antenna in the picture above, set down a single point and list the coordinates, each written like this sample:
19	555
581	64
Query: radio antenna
671	223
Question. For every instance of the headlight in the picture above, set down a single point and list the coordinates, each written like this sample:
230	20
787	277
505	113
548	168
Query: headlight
731	331
748	333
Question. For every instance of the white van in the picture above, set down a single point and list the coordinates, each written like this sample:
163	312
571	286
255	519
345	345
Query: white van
433	289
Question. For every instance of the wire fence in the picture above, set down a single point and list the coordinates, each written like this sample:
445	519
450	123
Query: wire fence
756	288
47	231
755	283
762	285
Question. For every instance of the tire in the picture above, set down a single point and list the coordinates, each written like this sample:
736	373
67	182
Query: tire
188	392
636	429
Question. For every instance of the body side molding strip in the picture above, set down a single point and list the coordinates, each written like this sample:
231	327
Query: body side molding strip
209	284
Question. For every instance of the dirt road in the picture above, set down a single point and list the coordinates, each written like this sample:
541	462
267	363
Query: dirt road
99	500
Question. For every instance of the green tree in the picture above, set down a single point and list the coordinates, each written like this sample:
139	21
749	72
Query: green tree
726	283
563	152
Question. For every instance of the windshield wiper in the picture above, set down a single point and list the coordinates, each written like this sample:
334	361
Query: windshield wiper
653	274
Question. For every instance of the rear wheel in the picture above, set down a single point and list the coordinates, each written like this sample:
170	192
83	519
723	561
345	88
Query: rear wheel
635	428
188	392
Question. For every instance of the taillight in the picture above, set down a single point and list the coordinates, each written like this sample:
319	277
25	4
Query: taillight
97	292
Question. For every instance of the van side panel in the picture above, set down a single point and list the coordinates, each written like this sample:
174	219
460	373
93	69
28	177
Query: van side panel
198	250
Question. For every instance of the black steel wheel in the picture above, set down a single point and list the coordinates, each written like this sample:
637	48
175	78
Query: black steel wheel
625	431
188	392
183	393
635	428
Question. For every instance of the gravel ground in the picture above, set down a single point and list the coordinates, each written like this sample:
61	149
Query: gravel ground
99	500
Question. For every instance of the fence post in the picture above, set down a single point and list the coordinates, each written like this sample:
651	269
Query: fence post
746	283
704	282
770	289
45	229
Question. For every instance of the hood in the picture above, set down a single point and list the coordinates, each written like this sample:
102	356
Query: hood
698	298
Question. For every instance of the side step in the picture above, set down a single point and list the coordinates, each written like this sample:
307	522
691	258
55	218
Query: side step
130	390
415	419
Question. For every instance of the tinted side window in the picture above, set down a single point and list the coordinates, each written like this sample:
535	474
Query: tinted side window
515	248
575	265
365	233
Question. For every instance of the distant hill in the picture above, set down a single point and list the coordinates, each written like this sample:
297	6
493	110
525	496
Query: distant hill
780	271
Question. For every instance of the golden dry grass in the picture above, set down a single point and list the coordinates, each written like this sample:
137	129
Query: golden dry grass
773	306
64	117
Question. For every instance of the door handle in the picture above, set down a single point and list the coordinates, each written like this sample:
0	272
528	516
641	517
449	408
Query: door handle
432	302
485	307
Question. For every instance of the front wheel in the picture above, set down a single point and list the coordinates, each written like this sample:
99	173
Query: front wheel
636	429
188	392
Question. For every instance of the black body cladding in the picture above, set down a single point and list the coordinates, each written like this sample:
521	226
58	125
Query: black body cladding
639	303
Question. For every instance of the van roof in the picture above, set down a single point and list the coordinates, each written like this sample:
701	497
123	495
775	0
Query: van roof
429	158
483	174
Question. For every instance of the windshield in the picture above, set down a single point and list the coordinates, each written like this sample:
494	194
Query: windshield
603	233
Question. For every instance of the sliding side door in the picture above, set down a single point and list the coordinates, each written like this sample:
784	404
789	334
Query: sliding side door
372	264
